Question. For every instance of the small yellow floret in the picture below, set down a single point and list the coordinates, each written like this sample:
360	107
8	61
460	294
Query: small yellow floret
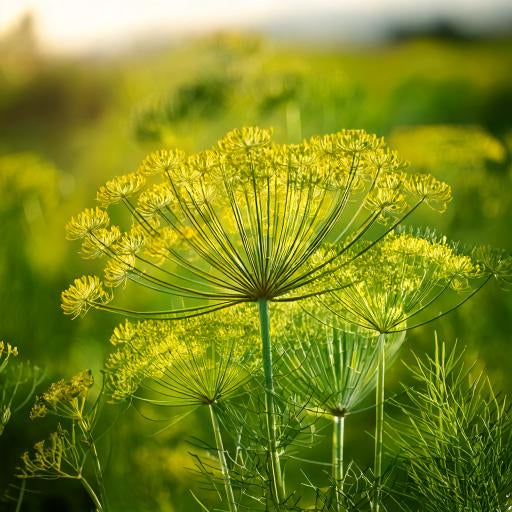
86	291
120	188
161	162
86	223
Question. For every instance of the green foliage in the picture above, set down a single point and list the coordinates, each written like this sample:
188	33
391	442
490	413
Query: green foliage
454	438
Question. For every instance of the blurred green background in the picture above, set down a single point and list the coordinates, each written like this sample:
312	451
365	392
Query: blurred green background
68	124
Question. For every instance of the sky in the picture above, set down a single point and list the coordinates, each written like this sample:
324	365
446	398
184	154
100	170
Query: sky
77	25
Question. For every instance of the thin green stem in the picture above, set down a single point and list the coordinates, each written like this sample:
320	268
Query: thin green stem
276	477
379	423
98	472
222	460
92	494
338	435
21	495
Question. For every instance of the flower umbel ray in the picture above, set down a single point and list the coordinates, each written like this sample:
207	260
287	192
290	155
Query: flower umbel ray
331	370
401	278
245	220
184	363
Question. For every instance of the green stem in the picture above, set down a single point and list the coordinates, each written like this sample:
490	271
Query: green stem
379	422
92	494
21	495
276	477
98	473
222	460
338	434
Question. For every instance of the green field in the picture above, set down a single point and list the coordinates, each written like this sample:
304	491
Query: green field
69	125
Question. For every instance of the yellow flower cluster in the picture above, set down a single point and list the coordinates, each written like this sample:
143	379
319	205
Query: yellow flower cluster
56	457
245	140
155	200
388	197
195	361
7	349
243	219
419	254
87	223
435	193
117	271
119	188
161	162
496	263
398	278
85	292
95	245
131	242
6	352
62	395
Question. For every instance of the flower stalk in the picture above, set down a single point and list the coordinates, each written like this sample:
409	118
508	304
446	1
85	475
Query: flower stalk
379	422
278	488
98	472
222	460
92	494
338	435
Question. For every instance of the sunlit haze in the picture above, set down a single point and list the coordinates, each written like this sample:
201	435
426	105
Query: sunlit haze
79	26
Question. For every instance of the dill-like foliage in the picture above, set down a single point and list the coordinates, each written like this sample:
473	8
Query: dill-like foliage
454	438
18	381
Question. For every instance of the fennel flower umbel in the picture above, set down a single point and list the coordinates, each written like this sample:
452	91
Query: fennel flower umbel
244	221
186	363
397	284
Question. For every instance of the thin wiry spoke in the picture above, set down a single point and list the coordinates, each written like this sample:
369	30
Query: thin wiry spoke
453	308
174	314
177	258
249	219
